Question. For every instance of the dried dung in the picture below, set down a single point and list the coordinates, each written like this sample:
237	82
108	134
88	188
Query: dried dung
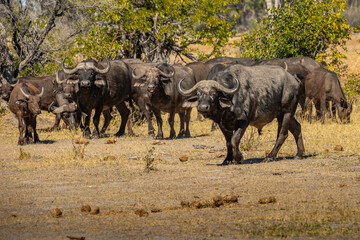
201	204
217	201
230	199
141	213
95	211
86	208
56	212
183	158
185	203
266	200
338	148
155	210
111	140
82	140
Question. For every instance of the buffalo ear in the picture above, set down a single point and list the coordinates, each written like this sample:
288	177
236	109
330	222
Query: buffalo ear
190	102
225	102
99	83
140	83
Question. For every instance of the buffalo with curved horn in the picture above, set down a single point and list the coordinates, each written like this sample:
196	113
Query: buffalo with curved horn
99	86
24	102
154	89
240	96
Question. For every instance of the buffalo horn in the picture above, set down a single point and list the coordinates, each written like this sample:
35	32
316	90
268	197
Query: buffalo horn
135	76
105	70
26	95
209	83
68	70
57	78
58	110
167	75
42	92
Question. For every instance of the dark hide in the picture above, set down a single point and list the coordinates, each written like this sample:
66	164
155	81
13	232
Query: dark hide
101	91
49	99
26	109
162	95
265	93
322	86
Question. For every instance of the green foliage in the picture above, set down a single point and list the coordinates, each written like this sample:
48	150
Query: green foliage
300	28
352	82
149	28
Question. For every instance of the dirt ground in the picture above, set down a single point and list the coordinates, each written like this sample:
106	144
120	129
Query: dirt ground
317	197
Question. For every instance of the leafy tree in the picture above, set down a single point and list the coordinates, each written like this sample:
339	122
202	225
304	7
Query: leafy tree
24	27
154	29
300	28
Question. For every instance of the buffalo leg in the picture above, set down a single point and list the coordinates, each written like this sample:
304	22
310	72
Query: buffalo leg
323	109
57	122
107	118
86	116
96	121
21	126
283	126
159	122
36	137
182	125
229	155
124	113
29	137
187	122
171	123
235	141
147	113
295	129
309	108
129	123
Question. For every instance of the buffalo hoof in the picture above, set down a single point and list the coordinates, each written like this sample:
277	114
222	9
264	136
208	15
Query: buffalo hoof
159	137
268	159
298	157
230	162
95	136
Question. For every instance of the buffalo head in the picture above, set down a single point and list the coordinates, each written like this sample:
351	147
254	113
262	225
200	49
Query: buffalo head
210	95
86	73
156	78
344	111
5	88
67	87
66	110
32	101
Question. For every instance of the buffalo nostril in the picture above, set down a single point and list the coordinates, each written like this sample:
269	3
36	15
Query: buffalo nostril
203	108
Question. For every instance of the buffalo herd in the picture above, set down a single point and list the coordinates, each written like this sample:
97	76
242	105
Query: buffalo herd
233	92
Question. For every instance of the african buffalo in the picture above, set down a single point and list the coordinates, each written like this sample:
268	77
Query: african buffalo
100	86
24	102
53	100
322	85
140	94
240	96
160	82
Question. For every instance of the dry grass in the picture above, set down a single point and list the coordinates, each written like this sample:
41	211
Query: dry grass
316	196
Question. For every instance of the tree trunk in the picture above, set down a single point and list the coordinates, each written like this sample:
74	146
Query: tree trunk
269	4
